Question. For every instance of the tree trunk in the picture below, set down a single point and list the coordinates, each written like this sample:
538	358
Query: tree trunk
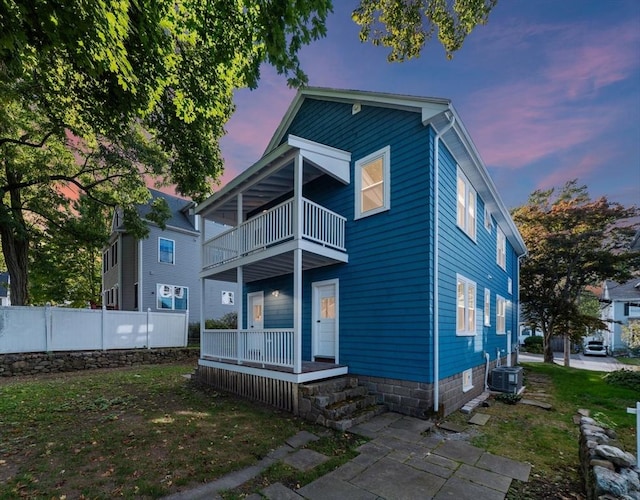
548	352
567	350
16	256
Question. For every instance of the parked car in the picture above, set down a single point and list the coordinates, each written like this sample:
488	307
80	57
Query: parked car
595	348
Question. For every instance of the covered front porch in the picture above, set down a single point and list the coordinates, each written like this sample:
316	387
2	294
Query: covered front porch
274	232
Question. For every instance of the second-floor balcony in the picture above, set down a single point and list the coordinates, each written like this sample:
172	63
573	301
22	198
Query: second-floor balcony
276	226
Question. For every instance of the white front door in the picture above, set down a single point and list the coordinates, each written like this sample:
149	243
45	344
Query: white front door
255	323
325	318
255	311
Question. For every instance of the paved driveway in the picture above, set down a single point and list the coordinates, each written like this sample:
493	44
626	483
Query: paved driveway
593	363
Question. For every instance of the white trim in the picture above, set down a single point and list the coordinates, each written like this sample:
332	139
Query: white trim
385	155
469	224
297	378
501	249
315	316
249	315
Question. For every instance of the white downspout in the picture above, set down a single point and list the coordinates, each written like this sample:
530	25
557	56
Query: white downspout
436	265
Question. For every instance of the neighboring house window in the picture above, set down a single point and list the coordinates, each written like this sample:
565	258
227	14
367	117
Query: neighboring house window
466	211
166	251
114	254
501	251
466	306
373	183
105	261
172	297
488	224
626	309
487	307
501	315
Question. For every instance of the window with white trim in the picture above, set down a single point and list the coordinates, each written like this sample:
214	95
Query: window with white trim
172	297
372	183
487	307
501	249
501	315
466	206
465	306
166	251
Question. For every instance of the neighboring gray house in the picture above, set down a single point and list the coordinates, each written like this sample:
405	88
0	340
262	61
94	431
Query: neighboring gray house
161	272
5	296
621	303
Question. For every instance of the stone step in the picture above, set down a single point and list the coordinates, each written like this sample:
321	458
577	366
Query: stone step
329	386
363	415
324	400
345	408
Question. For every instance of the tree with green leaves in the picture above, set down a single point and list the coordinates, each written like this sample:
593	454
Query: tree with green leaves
573	242
98	97
405	26
631	334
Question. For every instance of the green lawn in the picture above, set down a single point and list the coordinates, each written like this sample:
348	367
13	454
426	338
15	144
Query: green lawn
146	432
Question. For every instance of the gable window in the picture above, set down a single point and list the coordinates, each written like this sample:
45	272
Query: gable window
466	207
487	307
465	306
172	297
166	251
501	315
372	181
501	250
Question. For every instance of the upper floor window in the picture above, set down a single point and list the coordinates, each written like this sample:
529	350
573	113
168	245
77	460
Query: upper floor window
105	261
501	315
166	251
501	250
466	306
172	297
372	181
466	210
114	253
487	307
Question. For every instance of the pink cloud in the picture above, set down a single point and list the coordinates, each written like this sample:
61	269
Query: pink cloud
553	110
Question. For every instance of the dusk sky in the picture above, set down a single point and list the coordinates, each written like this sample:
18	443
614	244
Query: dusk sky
549	91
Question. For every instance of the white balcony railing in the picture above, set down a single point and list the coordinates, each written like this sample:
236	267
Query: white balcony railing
266	347
272	227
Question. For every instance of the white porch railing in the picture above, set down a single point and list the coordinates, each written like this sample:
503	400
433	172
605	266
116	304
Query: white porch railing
274	226
267	347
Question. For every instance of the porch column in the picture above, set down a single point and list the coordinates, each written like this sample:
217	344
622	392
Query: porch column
297	267
240	287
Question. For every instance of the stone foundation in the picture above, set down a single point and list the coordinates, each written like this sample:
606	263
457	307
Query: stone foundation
607	471
12	365
416	398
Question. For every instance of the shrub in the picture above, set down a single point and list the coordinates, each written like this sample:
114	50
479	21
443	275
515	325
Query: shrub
227	322
533	344
624	378
509	398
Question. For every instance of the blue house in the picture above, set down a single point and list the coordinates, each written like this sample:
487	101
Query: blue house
369	243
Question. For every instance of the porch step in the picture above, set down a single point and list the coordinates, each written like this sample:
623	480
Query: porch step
339	403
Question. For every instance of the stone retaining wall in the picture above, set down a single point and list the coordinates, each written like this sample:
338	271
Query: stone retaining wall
12	365
607	471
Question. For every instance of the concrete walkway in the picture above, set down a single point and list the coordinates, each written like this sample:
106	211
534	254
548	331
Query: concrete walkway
399	462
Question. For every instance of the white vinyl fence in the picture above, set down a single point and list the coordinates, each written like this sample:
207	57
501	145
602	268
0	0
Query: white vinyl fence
48	329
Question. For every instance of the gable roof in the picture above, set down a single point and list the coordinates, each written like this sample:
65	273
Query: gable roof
438	113
627	291
179	208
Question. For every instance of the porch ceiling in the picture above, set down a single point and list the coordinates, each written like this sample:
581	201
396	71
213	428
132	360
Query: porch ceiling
272	177
276	265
